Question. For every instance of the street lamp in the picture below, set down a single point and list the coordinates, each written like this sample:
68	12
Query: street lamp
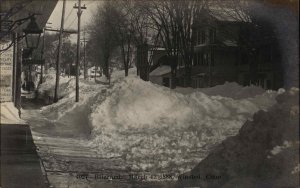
32	34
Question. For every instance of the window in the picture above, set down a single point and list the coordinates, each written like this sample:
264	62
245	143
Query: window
201	36
204	59
206	35
198	37
166	81
210	58
212	35
195	60
266	54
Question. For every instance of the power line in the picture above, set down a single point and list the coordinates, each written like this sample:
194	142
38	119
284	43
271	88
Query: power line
68	27
69	15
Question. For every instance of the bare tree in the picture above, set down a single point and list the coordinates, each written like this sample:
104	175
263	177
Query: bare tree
174	23
122	27
102	39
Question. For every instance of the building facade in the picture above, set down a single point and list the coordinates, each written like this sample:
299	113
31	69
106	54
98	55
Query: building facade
228	50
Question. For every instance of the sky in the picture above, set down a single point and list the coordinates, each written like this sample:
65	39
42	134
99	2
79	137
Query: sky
71	14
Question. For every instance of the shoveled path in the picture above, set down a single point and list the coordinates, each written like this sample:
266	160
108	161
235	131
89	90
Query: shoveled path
20	164
66	155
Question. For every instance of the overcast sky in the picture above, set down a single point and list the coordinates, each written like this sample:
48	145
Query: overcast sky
71	13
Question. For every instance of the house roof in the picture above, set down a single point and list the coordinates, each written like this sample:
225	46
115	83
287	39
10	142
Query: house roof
230	43
161	70
229	15
222	14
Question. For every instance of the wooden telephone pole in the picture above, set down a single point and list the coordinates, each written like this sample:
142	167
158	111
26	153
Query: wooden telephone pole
59	53
79	12
84	56
42	56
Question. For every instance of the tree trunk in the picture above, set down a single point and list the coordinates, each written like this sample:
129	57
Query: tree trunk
137	71
173	62
187	76
106	69
126	70
173	79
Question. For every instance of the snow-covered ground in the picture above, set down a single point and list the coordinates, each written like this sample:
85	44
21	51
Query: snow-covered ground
151	127
10	114
229	89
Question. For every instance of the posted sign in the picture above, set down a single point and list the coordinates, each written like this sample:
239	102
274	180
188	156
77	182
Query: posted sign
6	72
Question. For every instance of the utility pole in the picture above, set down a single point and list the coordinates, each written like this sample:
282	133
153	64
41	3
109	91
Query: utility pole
95	69
79	12
42	56
84	56
43	52
59	53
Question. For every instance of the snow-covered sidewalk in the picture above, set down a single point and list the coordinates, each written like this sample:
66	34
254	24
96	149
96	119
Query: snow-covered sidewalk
10	114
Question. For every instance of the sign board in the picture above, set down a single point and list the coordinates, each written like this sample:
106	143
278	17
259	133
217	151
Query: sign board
34	62
6	72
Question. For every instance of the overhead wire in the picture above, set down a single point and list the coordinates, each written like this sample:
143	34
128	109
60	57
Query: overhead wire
72	22
69	15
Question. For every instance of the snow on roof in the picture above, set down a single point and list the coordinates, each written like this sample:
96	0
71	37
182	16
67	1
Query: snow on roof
94	68
161	71
157	49
230	43
51	70
227	14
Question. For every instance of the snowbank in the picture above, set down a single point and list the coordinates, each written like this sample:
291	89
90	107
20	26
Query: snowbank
265	152
155	128
152	127
10	114
229	89
46	89
89	91
116	75
61	110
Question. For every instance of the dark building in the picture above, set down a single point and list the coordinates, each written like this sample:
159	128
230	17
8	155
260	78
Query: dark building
226	49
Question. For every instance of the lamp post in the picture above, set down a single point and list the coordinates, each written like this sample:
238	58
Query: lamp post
32	38
42	56
32	34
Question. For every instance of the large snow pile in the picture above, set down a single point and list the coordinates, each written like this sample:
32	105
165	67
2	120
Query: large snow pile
152	127
46	89
265	153
229	89
61	110
116	75
65	108
157	129
10	114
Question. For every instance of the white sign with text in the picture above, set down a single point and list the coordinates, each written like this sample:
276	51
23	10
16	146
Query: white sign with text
6	70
